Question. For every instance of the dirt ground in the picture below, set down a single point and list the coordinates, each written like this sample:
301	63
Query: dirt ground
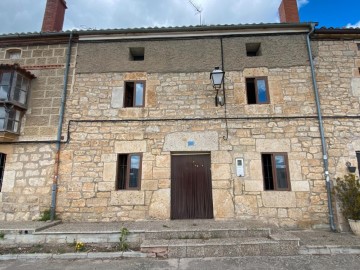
58	248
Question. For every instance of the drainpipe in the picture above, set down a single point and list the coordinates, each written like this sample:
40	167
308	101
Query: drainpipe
58	140
323	142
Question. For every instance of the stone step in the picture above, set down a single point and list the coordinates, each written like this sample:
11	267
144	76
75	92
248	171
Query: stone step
207	233
221	247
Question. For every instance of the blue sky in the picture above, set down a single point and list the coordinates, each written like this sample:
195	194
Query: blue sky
26	15
331	13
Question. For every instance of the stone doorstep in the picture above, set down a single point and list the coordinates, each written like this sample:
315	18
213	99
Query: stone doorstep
189	248
329	250
24	230
206	234
18	231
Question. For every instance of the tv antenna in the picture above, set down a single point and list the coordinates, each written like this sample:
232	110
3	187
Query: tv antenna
197	7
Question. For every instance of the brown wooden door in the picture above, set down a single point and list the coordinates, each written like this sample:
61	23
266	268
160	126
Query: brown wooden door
191	192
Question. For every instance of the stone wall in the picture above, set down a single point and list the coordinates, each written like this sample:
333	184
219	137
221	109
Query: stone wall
88	170
193	55
189	95
47	63
338	79
29	167
100	129
27	181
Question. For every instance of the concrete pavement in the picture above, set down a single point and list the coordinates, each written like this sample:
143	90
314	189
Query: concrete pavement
301	262
311	242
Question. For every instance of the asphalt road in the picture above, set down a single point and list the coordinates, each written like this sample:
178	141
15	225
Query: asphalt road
307	262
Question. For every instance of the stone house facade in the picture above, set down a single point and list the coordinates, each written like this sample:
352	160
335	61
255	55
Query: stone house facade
28	152
142	137
337	67
179	117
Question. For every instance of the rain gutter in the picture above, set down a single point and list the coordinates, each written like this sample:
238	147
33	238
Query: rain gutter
60	125
322	133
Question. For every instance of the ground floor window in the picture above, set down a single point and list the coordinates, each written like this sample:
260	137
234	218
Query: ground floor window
2	168
128	171
275	171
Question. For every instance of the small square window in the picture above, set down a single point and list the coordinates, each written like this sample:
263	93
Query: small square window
358	46
257	90
2	168
253	49
128	171
275	171
134	94
137	54
13	54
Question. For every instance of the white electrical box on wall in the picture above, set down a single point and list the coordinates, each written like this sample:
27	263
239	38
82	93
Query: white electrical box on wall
239	166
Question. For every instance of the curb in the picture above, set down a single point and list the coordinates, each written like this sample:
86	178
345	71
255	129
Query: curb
72	256
304	250
328	250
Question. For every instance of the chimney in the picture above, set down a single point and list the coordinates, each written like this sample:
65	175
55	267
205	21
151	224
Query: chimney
288	11
54	16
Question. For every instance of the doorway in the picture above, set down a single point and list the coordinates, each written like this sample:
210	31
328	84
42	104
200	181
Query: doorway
191	190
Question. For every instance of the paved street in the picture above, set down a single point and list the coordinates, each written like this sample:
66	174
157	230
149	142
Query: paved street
342	262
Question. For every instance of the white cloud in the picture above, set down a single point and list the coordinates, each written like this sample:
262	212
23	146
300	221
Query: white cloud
27	15
356	25
302	3
104	14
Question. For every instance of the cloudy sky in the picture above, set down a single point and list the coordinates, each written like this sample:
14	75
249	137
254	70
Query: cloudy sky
27	15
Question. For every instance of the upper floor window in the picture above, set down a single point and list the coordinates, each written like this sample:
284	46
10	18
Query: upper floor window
257	90
137	54
134	95
253	49
275	171
2	168
10	118
14	89
128	171
13	54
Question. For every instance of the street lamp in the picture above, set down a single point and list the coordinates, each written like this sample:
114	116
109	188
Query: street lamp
217	78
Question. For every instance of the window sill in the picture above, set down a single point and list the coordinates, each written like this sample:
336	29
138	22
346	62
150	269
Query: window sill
6	136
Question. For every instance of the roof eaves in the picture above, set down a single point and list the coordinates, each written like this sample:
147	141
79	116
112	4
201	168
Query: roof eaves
218	27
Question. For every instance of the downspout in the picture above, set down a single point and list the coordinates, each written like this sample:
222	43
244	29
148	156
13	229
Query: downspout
323	142
226	137
58	139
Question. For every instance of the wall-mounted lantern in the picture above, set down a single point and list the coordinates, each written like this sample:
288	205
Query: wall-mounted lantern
351	169
217	79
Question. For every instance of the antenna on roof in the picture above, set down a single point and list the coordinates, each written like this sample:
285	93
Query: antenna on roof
197	7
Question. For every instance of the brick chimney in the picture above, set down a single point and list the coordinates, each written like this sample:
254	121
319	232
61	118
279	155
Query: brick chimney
288	11
54	16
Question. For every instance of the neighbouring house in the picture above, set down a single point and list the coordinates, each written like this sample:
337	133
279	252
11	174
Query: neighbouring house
125	124
337	68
